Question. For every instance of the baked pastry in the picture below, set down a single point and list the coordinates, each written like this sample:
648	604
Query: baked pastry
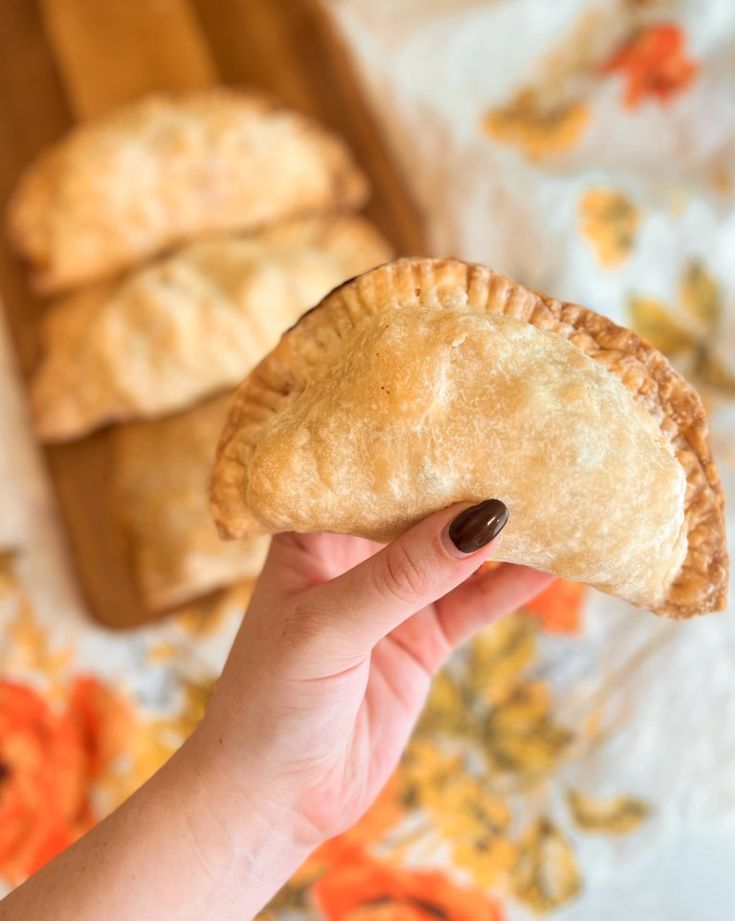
190	324
167	168
160	495
426	382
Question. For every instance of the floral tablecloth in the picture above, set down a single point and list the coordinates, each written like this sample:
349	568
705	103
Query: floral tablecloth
577	758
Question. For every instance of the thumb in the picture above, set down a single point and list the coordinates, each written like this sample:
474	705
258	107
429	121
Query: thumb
369	601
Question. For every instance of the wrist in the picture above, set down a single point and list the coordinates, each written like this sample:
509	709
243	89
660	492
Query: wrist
244	837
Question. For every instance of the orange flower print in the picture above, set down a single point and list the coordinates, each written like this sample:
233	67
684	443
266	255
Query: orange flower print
102	720
654	63
47	760
364	889
42	795
559	606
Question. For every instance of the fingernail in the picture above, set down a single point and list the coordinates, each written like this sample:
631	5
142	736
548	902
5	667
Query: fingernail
478	525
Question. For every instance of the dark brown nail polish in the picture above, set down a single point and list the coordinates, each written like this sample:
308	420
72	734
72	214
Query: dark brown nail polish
478	525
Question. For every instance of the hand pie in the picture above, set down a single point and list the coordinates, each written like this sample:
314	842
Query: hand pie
190	324
424	383
160	492
165	169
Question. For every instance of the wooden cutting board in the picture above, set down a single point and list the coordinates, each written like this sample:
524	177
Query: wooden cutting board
62	61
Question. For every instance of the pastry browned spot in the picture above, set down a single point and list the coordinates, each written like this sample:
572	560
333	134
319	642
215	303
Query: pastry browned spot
426	382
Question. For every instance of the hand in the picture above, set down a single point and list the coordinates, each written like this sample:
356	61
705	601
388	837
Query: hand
316	702
334	659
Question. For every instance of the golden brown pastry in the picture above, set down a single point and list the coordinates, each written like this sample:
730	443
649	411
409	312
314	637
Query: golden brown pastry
427	382
160	493
190	324
165	169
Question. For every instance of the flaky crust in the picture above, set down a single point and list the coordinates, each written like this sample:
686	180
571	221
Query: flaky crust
189	324
167	168
160	478
700	585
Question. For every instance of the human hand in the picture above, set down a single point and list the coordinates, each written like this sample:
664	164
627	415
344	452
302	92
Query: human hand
334	660
318	697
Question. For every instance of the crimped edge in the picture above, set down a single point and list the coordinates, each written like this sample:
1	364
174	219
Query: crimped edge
700	585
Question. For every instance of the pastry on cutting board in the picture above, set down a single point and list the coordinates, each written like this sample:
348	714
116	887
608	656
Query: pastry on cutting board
161	469
167	168
428	382
190	324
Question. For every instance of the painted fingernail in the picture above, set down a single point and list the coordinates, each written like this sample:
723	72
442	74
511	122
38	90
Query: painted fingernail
478	525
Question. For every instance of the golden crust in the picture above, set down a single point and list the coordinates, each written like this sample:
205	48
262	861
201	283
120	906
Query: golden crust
160	495
189	324
700	584
167	168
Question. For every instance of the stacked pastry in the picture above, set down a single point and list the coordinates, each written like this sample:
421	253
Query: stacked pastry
179	238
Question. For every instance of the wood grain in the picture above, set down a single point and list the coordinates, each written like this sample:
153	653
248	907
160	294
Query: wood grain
112	51
29	121
64	60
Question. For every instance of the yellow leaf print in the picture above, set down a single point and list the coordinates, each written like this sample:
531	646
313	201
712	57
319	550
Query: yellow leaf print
536	128
519	735
27	646
150	743
30	648
546	875
530	751
609	222
700	295
651	319
148	747
528	705
462	808
509	718
446	709
713	371
163	652
424	769
488	860
699	305
500	654
616	815
472	818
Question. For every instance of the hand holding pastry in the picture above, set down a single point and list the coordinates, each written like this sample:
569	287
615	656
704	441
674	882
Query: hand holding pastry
316	702
335	657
